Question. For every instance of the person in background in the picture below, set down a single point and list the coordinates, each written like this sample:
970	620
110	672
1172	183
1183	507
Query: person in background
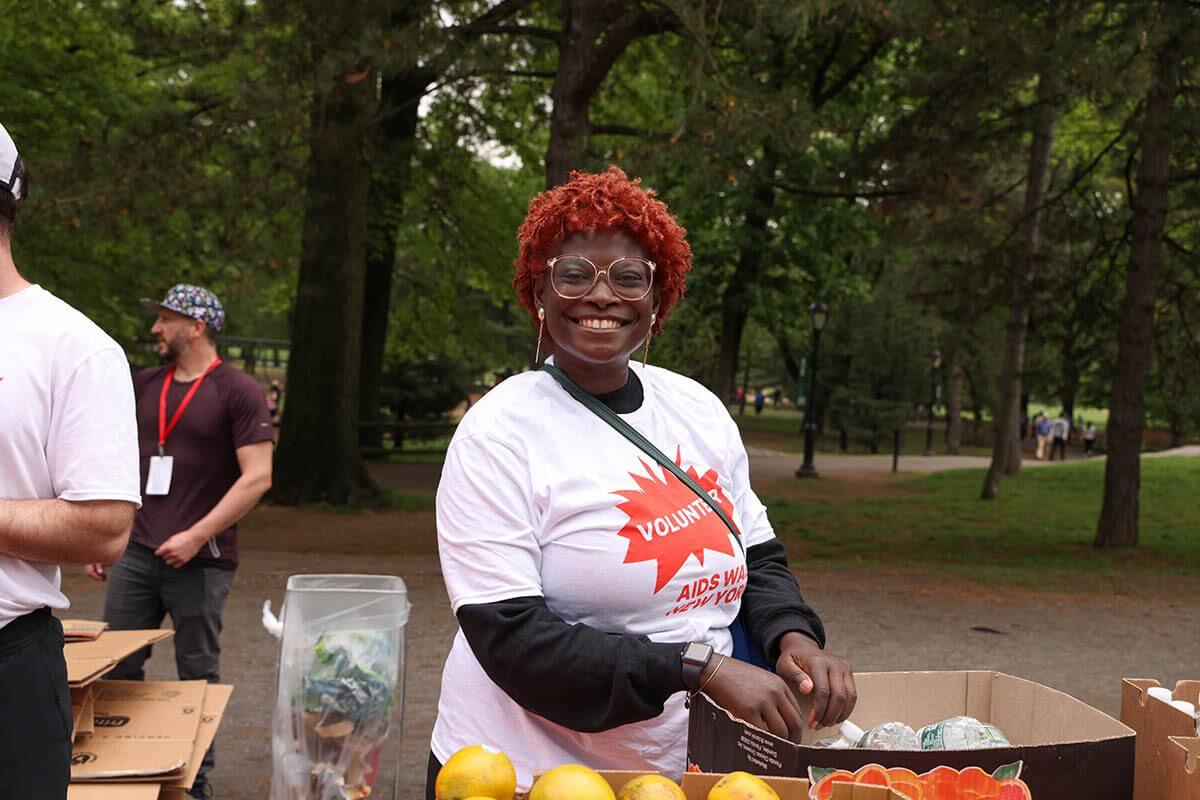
206	444
1041	431
68	491
275	399
760	400
1089	440
777	397
1060	430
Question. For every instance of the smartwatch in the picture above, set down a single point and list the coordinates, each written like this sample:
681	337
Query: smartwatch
695	657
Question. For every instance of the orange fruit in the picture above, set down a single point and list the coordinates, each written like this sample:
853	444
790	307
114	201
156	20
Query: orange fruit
571	782
651	787
940	775
824	788
911	790
902	774
872	775
476	771
942	791
739	786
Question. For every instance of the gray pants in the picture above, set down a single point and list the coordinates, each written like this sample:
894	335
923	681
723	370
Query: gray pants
143	589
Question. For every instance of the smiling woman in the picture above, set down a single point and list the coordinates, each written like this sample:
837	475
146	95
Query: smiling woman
594	590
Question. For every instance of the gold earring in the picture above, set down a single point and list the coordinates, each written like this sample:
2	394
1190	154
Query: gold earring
537	356
649	336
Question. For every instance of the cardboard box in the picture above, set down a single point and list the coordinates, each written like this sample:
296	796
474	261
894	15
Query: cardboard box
848	791
697	785
83	709
91	659
144	731
114	791
1167	748
78	630
1061	747
216	697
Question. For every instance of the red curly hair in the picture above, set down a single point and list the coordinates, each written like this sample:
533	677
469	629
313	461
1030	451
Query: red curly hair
597	202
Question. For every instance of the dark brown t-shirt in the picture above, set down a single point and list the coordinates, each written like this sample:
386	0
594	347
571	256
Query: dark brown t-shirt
227	412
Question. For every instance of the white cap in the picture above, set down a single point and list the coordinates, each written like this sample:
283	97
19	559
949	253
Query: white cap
8	164
1161	693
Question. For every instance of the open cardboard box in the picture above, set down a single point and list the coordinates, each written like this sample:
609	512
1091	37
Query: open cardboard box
1061	747
91	659
849	791
1168	748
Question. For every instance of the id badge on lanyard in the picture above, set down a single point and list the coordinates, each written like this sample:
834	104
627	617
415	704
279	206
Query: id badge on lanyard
162	466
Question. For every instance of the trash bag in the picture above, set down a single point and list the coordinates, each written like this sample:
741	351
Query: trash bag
340	697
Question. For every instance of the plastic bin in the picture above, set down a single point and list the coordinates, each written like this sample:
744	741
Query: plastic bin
340	700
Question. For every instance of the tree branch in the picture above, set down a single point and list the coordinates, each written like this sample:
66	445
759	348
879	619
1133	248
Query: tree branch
849	75
613	129
805	191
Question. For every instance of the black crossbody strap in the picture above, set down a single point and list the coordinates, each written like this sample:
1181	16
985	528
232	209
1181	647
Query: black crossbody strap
629	432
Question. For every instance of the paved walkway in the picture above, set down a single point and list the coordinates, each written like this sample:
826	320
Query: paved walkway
766	463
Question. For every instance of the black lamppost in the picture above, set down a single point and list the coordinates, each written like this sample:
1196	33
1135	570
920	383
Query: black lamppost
818	315
933	372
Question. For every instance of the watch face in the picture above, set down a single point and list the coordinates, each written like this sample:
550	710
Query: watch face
697	652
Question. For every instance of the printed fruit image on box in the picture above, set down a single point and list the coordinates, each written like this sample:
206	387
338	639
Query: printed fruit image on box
941	783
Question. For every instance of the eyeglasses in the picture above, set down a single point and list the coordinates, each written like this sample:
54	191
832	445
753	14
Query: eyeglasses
573	277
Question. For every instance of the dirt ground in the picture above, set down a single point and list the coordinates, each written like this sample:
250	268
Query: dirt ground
1081	644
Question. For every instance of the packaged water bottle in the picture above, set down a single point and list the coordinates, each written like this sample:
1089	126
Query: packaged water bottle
961	733
890	736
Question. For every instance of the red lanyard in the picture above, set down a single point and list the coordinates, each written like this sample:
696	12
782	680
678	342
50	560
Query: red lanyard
165	428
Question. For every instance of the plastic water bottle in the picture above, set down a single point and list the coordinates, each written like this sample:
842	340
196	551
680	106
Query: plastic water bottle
961	733
890	736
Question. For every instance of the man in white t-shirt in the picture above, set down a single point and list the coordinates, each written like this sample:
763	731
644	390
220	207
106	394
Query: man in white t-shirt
68	491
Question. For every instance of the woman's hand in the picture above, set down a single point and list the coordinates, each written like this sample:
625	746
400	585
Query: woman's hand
754	696
829	679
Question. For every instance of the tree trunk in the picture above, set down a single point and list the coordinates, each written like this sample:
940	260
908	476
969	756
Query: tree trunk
1118	526
397	130
318	446
954	403
1006	449
595	34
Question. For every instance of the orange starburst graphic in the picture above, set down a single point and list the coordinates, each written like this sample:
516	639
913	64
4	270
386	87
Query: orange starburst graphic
668	523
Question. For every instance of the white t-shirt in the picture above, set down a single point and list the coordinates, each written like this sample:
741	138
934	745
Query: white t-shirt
67	426
539	497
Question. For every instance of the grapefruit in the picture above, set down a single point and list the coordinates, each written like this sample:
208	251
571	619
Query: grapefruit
651	787
741	786
824	788
571	782
476	771
872	775
1014	790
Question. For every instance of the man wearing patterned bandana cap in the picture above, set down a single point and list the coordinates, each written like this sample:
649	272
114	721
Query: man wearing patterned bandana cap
206	441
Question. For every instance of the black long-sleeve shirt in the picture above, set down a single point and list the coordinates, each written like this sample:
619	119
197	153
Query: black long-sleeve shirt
591	680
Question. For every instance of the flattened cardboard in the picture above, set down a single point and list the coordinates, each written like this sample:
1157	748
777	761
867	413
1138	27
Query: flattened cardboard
1066	748
144	731
1159	759
78	630
113	791
216	697
83	707
89	660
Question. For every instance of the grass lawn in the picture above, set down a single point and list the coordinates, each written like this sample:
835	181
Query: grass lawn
1038	533
783	430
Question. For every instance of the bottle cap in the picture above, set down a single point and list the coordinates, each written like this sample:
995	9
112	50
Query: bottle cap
1161	693
851	731
1185	707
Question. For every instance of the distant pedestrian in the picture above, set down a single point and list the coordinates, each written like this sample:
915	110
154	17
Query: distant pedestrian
1089	440
1061	430
275	399
1041	429
777	397
209	419
760	400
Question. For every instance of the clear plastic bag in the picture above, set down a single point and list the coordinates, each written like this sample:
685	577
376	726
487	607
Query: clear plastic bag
340	698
